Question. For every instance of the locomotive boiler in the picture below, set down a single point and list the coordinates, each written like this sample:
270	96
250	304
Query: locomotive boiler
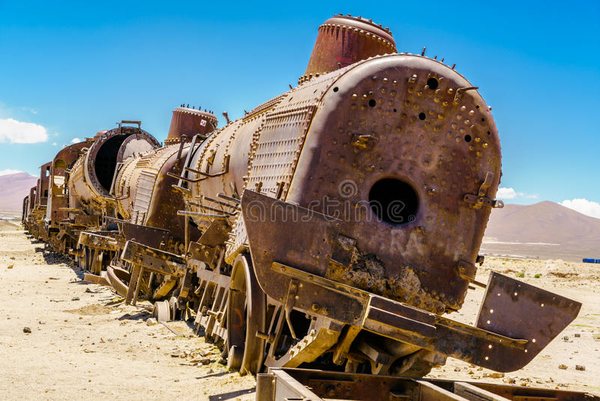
332	226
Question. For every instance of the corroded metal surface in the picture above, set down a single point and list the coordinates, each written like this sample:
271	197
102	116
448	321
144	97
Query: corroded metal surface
145	195
519	310
332	226
92	175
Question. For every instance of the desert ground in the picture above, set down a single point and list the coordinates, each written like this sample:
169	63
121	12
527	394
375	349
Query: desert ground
86	344
62	338
559	365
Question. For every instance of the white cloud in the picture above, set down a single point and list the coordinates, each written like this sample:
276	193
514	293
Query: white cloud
9	171
510	193
54	144
583	206
14	131
506	193
75	140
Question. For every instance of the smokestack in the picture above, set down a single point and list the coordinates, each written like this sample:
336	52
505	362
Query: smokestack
189	122
345	40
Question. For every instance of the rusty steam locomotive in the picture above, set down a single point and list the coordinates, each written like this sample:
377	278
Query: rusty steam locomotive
334	225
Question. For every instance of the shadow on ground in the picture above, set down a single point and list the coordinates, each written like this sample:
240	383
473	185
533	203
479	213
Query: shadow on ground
231	394
141	315
219	374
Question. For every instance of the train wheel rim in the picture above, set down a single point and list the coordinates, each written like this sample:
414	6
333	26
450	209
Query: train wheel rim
246	314
162	311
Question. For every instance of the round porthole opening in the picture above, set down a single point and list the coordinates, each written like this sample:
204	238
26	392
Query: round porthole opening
394	201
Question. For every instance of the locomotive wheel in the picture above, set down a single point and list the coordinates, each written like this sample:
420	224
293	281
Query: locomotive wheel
246	315
177	313
162	311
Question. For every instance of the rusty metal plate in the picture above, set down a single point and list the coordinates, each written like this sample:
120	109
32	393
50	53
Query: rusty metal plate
280	142
149	236
287	234
118	279
153	260
283	234
519	310
96	279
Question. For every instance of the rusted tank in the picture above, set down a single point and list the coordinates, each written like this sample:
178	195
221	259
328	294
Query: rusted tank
73	192
89	184
92	175
343	218
143	188
148	199
397	132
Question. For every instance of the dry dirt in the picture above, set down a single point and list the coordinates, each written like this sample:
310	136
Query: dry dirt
84	343
578	344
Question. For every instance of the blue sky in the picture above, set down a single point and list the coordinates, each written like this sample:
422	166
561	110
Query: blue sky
70	69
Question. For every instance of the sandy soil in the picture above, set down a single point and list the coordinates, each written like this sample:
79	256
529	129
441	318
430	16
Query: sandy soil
578	344
569	253
84	343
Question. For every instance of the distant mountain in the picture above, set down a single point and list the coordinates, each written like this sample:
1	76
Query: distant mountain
545	229
13	188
